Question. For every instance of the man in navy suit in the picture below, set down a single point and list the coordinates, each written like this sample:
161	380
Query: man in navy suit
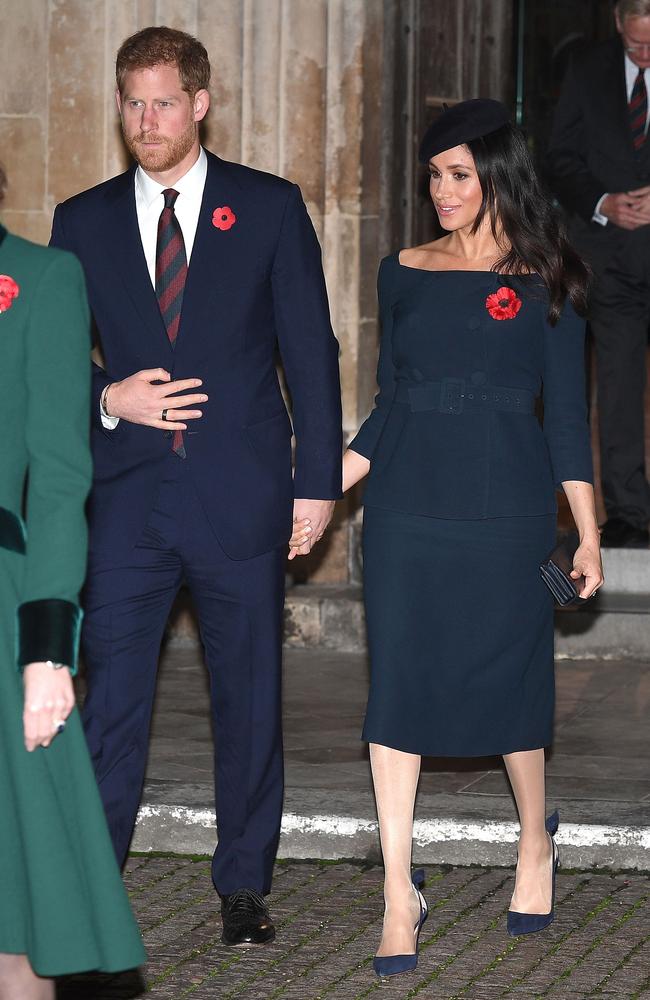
196	270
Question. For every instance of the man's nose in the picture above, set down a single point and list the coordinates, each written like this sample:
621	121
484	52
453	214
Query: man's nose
149	120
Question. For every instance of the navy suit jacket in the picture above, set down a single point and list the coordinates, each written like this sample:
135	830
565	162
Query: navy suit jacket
249	289
455	460
590	149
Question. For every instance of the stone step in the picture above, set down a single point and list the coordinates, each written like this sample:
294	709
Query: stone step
342	824
615	624
597	770
627	571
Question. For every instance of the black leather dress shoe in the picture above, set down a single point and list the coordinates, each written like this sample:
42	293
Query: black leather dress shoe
620	534
246	918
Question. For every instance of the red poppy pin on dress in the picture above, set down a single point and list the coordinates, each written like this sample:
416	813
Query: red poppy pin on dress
503	304
9	291
224	218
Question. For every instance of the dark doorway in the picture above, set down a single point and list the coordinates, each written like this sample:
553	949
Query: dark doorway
548	34
441	52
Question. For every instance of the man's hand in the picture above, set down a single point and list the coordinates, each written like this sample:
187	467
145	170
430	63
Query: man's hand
310	518
628	209
138	400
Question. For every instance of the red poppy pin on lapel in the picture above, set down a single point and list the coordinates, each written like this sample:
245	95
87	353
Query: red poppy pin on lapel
503	304
224	218
9	291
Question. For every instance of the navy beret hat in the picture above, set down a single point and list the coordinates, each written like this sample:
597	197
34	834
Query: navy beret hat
464	121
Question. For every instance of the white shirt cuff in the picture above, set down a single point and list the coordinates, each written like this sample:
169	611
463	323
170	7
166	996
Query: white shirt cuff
598	216
108	423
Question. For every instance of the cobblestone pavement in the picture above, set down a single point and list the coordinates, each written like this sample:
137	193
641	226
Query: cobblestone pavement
328	917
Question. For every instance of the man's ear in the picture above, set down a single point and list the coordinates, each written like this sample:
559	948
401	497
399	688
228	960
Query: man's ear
619	25
201	105
118	101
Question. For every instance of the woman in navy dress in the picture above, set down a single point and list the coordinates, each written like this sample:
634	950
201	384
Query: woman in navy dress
460	505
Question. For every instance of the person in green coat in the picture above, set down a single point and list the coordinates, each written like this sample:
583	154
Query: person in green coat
63	908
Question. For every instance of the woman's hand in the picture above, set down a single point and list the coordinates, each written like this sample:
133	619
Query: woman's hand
587	562
49	699
301	531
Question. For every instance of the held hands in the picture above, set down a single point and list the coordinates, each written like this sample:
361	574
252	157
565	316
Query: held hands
49	699
587	563
139	401
310	519
628	209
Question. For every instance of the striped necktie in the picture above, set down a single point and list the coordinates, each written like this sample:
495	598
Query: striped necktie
171	271
638	110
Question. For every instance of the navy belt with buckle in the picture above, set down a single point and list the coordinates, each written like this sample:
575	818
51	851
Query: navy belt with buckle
454	395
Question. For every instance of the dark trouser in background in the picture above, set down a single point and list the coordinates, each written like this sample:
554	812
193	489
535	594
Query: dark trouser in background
239	607
619	318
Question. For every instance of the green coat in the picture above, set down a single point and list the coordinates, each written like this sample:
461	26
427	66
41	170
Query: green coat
62	901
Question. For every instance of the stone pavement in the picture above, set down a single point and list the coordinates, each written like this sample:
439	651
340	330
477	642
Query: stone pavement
329	919
598	772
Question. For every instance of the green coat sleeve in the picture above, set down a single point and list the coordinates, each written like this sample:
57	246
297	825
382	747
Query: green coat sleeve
57	434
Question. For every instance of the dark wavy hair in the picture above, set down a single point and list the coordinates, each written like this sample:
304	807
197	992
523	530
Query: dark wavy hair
522	214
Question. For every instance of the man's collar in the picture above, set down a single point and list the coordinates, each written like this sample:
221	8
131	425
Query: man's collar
190	184
631	68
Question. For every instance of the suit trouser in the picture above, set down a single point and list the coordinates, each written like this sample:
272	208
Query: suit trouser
619	316
239	607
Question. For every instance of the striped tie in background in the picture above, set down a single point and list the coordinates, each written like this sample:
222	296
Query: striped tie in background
638	110
171	271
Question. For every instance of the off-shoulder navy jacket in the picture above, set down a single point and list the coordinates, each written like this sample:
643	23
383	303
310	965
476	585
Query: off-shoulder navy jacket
454	432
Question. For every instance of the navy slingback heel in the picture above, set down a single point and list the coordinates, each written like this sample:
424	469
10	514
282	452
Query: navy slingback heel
393	965
530	923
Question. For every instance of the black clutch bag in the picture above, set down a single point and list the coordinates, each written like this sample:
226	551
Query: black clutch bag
556	570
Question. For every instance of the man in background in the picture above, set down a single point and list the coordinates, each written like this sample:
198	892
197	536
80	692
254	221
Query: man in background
599	166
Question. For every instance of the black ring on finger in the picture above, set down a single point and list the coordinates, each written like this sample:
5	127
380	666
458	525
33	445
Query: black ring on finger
164	414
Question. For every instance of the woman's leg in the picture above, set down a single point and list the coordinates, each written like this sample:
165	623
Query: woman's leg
395	777
18	981
533	883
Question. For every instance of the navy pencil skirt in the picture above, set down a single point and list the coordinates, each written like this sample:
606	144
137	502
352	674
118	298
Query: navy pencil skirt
460	633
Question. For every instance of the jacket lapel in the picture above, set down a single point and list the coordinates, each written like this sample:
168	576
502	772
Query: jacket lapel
215	251
129	260
615	94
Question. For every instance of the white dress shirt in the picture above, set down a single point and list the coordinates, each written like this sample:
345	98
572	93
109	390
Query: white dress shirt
149	203
631	73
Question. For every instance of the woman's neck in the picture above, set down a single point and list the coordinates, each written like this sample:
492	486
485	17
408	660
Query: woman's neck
474	247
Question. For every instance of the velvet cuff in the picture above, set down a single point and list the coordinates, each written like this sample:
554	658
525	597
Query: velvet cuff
48	630
12	531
